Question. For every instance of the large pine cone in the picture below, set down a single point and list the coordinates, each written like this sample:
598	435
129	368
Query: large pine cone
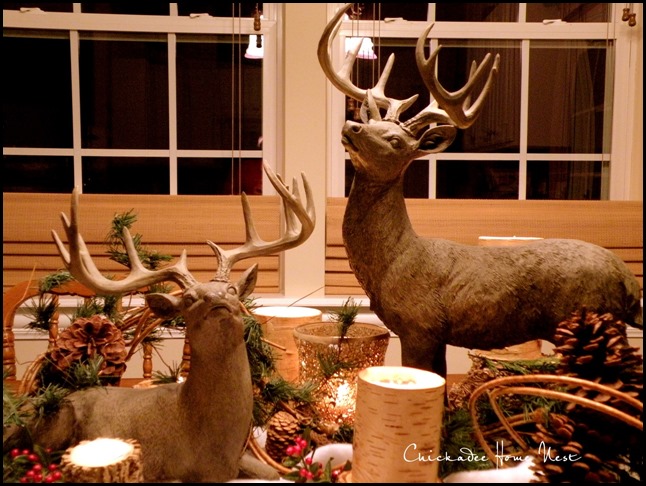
86	338
567	455
282	429
595	348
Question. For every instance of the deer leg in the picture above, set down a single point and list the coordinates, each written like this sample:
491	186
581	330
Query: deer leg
424	354
439	361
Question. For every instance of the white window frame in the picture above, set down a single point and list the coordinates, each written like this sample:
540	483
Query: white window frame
618	160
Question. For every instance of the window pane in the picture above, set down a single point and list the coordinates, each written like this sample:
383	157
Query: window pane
567	86
44	6
568	12
497	128
37	93
380	11
37	174
127	175
459	179
563	180
219	101
208	176
476	12
124	93
415	179
217	9
149	7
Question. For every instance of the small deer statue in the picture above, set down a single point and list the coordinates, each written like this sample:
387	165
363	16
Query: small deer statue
195	431
434	292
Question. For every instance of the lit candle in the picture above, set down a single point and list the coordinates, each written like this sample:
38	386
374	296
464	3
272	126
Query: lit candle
398	425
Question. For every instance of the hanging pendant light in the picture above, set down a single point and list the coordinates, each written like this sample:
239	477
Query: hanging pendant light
255	50
366	51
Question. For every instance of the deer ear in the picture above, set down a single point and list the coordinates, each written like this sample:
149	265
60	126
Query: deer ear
437	139
163	305
247	282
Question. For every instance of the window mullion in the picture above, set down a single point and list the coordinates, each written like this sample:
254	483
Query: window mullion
172	112
76	109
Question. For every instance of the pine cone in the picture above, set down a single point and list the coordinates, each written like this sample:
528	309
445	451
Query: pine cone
479	373
88	337
594	348
282	429
565	455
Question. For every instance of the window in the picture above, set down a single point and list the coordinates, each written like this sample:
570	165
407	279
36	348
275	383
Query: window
158	100
547	126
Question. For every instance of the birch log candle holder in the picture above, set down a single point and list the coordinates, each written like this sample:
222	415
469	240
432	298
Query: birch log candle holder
278	324
103	460
398	426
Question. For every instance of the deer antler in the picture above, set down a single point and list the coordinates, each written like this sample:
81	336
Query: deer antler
341	79
299	224
456	104
79	262
448	108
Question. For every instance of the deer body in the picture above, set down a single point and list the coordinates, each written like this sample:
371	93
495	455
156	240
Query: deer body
434	292
195	431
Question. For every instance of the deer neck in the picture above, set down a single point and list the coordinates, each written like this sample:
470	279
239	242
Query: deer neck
219	366
376	226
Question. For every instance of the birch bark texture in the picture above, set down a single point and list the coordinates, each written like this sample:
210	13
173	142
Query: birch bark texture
398	425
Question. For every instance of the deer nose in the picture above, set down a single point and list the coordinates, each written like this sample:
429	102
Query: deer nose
351	126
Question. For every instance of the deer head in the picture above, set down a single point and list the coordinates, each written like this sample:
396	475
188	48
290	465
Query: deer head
197	300
382	148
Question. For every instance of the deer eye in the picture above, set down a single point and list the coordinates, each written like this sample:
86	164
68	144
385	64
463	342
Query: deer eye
189	300
395	142
232	290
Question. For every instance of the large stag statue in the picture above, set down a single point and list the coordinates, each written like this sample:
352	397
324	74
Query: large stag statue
195	431
434	292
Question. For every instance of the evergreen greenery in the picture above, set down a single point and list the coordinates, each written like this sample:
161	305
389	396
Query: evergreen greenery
346	316
152	260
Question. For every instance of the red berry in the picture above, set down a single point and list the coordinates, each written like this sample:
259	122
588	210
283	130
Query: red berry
26	452
33	457
57	475
15	453
30	474
52	467
308	461
48	479
38	477
23	479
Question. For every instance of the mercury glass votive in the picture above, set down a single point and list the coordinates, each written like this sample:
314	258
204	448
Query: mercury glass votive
333	363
